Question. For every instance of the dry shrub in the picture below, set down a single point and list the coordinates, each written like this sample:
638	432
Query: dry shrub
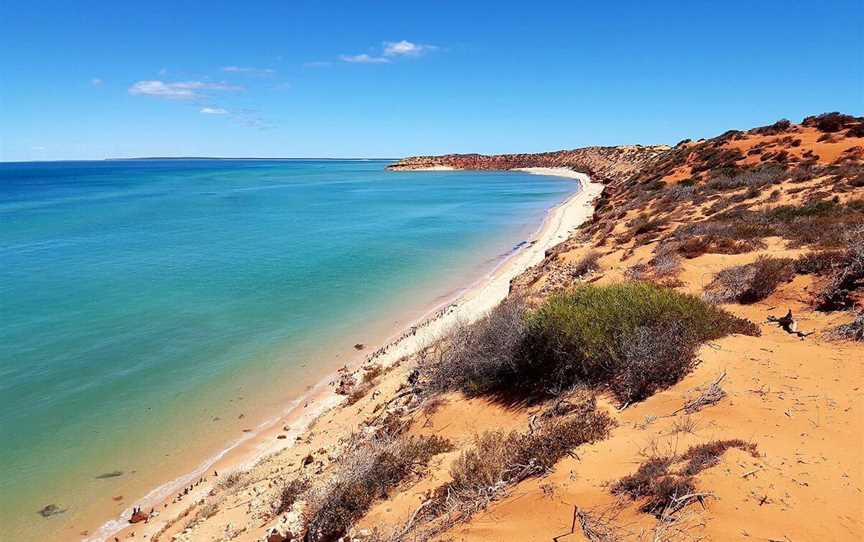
585	265
778	127
707	455
823	262
498	458
719	238
753	178
831	122
846	277
360	389
751	282
290	493
852	331
368	471
232	479
472	357
643	224
662	481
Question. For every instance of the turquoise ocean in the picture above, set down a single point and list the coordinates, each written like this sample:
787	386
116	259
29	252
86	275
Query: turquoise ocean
152	309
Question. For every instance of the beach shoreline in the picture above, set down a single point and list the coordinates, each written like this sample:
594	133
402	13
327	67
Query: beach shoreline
279	433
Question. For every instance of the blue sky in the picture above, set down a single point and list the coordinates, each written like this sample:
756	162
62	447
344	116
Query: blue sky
89	79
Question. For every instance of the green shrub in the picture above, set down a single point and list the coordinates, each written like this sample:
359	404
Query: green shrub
631	338
634	337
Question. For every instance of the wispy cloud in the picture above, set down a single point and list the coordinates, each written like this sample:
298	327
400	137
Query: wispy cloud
364	59
249	70
390	51
317	64
184	90
406	48
96	82
213	111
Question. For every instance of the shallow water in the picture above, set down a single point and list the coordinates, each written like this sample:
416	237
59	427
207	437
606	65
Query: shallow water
149	310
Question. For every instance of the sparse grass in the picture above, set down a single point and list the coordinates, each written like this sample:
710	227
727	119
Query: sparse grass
751	282
661	481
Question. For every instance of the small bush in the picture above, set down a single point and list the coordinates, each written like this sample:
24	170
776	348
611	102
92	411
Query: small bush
853	331
290	493
847	276
749	283
586	264
472	358
230	480
754	178
778	127
707	455
499	458
634	337
659	485
830	122
819	263
366	473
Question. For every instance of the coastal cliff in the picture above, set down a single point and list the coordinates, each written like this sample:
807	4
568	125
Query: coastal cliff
683	365
601	163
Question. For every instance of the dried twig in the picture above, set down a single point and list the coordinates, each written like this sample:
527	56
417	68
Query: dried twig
710	396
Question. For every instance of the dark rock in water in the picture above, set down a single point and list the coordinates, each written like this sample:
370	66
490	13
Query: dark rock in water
359	346
51	510
112	474
280	437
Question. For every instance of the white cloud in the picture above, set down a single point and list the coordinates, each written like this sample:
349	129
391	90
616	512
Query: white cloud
390	51
96	82
184	90
249	70
406	48
213	111
364	59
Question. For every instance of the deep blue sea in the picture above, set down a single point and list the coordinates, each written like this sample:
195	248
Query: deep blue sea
150	309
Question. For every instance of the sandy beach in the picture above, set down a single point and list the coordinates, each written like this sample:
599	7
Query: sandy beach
277	435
